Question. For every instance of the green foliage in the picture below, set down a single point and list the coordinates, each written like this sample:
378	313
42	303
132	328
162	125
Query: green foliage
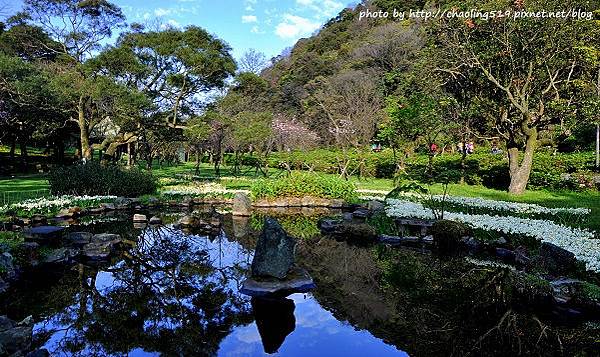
95	179
383	224
447	234
591	291
10	241
300	184
298	226
561	171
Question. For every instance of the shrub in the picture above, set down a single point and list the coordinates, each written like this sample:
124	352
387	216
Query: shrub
95	179
447	235
300	184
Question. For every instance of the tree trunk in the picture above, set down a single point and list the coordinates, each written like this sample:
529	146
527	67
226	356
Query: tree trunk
129	155
597	146
13	148
520	171
86	148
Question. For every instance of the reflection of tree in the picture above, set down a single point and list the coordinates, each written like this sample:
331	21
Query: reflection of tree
428	306
166	296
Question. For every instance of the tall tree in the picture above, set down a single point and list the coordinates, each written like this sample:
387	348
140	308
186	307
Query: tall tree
532	68
80	27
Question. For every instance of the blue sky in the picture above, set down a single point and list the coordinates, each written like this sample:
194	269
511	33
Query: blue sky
266	25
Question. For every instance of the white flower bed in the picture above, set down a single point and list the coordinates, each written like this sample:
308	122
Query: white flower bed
580	242
514	207
50	203
204	189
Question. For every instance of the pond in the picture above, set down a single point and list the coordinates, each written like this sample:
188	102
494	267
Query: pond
170	291
176	293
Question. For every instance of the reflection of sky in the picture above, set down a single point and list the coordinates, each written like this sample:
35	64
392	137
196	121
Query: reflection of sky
317	333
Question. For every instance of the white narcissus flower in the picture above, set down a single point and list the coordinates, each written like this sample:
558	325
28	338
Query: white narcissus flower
51	203
202	189
515	207
580	242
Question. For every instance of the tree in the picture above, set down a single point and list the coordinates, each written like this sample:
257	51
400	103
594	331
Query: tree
79	27
417	118
253	61
352	105
532	68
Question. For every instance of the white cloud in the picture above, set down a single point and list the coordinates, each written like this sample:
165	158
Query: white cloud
171	24
294	26
323	8
161	11
249	18
257	30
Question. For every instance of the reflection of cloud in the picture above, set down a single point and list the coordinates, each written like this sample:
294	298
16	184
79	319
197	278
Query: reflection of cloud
248	334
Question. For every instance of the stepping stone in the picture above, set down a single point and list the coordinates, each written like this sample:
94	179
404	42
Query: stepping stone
43	234
297	281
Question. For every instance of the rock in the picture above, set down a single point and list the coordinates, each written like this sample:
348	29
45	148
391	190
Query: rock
521	256
79	239
60	256
506	255
361	213
297	281
38	219
75	210
96	210
15	338
242	206
189	221
400	241
499	242
7	267
274	253
106	238
155	220
556	260
3	288
329	225
65	213
43	234
140	218
347	217
42	352
375	206
275	320
97	251
472	245
108	206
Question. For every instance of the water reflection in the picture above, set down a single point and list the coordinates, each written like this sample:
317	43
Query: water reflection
172	293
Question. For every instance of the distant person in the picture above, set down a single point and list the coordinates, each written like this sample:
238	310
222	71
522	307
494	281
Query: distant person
433	148
470	148
461	147
495	149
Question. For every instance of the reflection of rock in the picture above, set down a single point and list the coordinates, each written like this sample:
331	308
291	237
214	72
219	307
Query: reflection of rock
297	281
275	321
15	338
240	226
274	254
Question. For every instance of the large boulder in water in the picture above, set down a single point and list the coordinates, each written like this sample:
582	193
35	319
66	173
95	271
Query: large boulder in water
274	254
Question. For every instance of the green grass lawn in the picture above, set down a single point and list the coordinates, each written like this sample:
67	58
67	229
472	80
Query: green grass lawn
545	198
24	183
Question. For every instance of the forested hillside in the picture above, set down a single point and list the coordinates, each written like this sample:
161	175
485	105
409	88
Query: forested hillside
414	83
